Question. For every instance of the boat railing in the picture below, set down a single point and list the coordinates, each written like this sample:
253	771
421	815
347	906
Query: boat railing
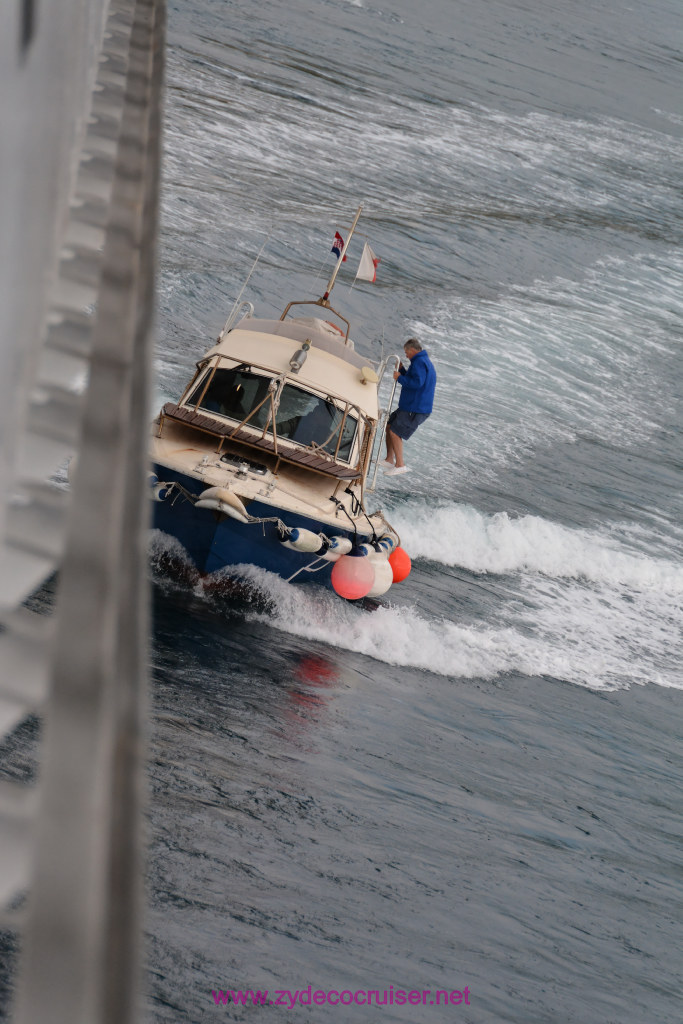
384	414
326	306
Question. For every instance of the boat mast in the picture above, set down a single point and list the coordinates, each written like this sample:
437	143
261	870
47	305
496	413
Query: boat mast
330	284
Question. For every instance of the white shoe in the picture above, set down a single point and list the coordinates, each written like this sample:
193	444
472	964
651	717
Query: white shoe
398	471
386	464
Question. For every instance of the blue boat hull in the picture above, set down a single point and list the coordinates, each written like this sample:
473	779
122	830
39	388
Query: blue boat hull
215	541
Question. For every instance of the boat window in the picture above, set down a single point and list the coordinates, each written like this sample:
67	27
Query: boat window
234	392
301	417
305	418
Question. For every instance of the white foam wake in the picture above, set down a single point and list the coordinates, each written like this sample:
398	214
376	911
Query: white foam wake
459	535
588	631
595	638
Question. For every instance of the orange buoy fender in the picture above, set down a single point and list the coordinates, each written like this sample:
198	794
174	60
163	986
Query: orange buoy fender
353	576
400	563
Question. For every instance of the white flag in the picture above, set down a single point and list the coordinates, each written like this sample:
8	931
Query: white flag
367	268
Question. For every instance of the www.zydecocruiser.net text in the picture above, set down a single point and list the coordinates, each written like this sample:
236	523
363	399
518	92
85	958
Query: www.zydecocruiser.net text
320	997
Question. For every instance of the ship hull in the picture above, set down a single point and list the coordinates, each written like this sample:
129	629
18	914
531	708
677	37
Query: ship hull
216	541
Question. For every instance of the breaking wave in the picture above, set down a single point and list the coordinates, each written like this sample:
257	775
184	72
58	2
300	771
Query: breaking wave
459	535
600	639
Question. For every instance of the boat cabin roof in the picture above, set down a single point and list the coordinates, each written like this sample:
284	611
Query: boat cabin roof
331	366
321	333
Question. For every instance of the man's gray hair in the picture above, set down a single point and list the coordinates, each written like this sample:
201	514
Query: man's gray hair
414	344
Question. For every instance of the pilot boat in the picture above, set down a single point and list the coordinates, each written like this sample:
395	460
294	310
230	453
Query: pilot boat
265	458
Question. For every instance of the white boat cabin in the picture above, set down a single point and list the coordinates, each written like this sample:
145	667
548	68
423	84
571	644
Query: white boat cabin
295	388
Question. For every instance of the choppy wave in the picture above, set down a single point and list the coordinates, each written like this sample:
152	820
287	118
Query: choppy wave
459	535
470	162
553	361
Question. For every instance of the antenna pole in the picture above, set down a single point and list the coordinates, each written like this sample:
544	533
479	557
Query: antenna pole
237	300
330	284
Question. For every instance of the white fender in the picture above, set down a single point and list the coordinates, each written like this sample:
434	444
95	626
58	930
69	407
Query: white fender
384	575
222	500
222	507
387	542
337	546
303	540
230	510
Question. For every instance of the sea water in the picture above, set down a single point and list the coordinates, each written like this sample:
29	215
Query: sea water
478	785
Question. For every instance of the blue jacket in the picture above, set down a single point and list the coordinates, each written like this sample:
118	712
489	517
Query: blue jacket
417	384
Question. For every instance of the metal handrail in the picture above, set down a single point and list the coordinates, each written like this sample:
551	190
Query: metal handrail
325	305
383	417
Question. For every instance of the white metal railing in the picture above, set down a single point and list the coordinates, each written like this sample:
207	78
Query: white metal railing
83	204
384	414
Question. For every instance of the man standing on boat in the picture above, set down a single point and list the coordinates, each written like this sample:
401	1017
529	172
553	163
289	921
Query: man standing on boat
418	383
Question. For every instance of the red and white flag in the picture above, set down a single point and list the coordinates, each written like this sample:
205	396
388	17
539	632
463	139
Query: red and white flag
338	245
367	268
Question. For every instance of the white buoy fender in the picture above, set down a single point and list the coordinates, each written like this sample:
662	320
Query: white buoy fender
336	547
387	542
222	506
384	575
220	499
230	510
303	540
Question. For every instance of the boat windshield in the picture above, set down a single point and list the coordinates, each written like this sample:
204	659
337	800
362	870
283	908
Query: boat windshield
234	393
301	417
